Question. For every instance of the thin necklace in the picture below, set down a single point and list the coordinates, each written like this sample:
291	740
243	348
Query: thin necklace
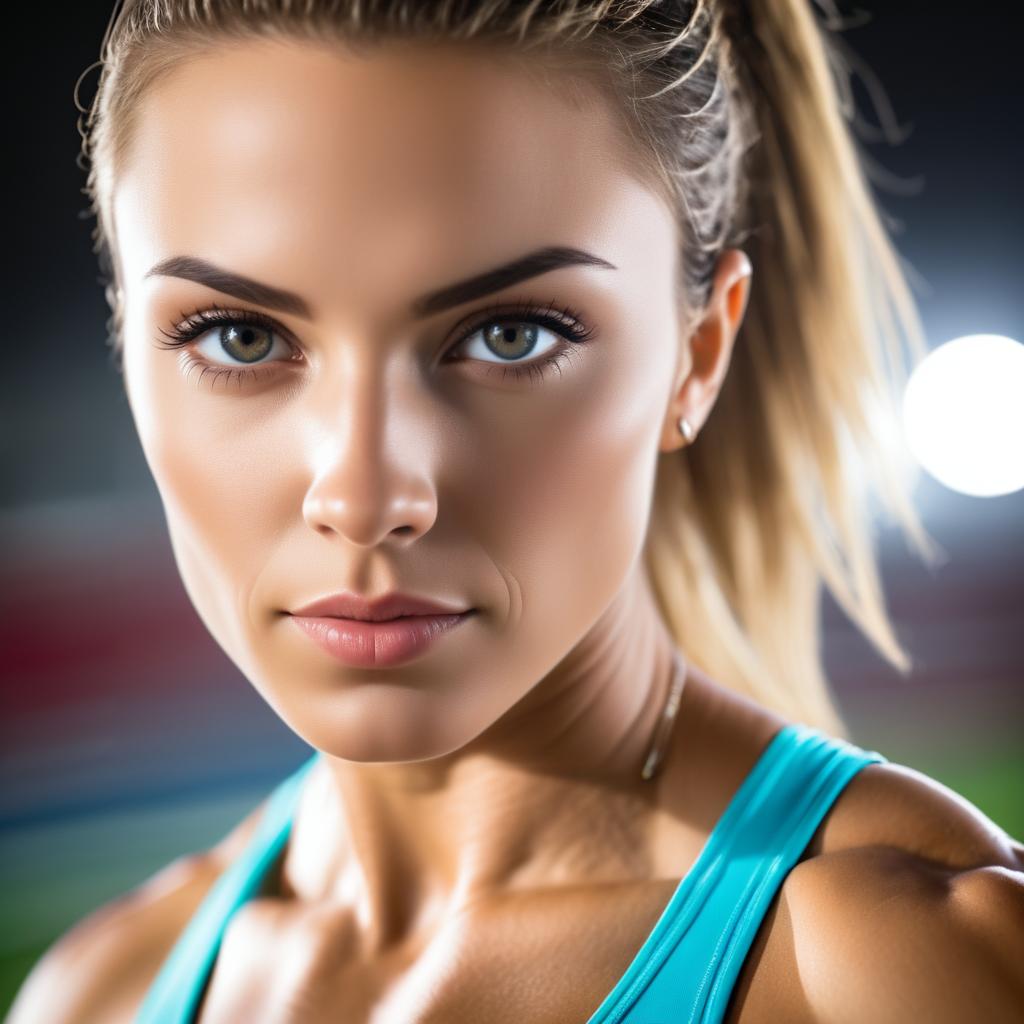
661	733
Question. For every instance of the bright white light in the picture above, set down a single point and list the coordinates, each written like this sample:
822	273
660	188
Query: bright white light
963	413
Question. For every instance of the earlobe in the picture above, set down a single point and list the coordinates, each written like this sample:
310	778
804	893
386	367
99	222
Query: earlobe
687	429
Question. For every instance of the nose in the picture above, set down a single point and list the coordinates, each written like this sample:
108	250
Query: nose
369	480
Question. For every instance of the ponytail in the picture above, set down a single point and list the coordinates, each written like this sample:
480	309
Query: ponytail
772	499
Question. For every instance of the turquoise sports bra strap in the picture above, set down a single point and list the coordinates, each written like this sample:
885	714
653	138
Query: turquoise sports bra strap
763	834
818	769
174	996
686	969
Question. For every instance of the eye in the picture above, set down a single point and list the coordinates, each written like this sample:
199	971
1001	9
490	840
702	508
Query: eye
514	338
244	337
510	342
236	338
238	343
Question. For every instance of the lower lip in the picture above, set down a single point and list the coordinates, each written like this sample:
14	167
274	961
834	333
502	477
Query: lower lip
378	644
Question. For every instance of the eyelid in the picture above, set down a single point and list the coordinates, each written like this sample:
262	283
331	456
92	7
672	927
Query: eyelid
570	326
511	308
215	314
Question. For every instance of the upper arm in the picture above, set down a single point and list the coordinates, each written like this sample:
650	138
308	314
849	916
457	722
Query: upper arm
69	983
986	918
923	922
97	970
100	969
913	945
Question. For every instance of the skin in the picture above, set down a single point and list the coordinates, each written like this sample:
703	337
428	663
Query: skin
370	467
478	821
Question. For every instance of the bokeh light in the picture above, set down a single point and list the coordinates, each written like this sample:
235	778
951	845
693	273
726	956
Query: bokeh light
963	413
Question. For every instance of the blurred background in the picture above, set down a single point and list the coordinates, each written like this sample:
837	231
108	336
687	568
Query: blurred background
129	737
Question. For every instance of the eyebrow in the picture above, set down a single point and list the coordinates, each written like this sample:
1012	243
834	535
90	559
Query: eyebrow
542	261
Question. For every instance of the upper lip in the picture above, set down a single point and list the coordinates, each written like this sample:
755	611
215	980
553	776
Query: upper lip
388	606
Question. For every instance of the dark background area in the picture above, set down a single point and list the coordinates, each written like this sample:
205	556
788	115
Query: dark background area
129	738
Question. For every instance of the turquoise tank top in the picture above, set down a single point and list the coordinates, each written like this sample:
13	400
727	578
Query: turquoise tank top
687	966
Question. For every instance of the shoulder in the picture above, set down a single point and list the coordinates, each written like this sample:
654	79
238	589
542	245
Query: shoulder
101	968
910	908
891	804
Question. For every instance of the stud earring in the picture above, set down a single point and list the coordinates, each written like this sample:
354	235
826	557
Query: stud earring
686	429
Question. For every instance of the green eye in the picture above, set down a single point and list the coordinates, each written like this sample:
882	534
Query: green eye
507	336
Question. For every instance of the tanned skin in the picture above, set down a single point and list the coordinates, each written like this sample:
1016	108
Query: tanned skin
476	843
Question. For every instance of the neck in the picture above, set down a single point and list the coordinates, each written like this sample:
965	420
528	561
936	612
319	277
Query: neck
404	844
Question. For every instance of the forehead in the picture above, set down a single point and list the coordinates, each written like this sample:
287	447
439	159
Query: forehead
301	156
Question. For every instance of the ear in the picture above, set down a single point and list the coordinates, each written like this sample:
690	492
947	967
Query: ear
705	354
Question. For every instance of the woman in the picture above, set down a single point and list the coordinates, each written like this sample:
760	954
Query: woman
430	312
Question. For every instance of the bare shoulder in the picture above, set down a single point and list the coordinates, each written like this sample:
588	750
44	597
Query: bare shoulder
101	968
891	804
909	905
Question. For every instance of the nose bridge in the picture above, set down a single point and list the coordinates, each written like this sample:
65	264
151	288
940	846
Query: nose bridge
368	478
355	402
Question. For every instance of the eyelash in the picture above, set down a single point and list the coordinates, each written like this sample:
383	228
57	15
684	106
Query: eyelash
567	323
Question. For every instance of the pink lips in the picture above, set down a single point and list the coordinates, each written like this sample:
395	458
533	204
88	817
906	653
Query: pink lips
377	633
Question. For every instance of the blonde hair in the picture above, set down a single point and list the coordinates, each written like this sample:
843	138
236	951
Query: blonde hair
737	113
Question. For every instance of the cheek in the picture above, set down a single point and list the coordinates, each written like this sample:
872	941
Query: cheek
555	491
210	468
564	501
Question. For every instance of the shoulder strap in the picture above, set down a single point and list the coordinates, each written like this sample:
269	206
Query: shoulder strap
174	995
701	941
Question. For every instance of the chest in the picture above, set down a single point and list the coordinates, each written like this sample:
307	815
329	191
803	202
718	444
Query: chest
542	957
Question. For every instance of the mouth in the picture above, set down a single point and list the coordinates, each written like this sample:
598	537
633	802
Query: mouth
380	643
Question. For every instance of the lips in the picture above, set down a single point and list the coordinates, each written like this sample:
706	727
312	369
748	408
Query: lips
381	633
346	605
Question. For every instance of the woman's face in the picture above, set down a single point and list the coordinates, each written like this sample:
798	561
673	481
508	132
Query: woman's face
363	442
